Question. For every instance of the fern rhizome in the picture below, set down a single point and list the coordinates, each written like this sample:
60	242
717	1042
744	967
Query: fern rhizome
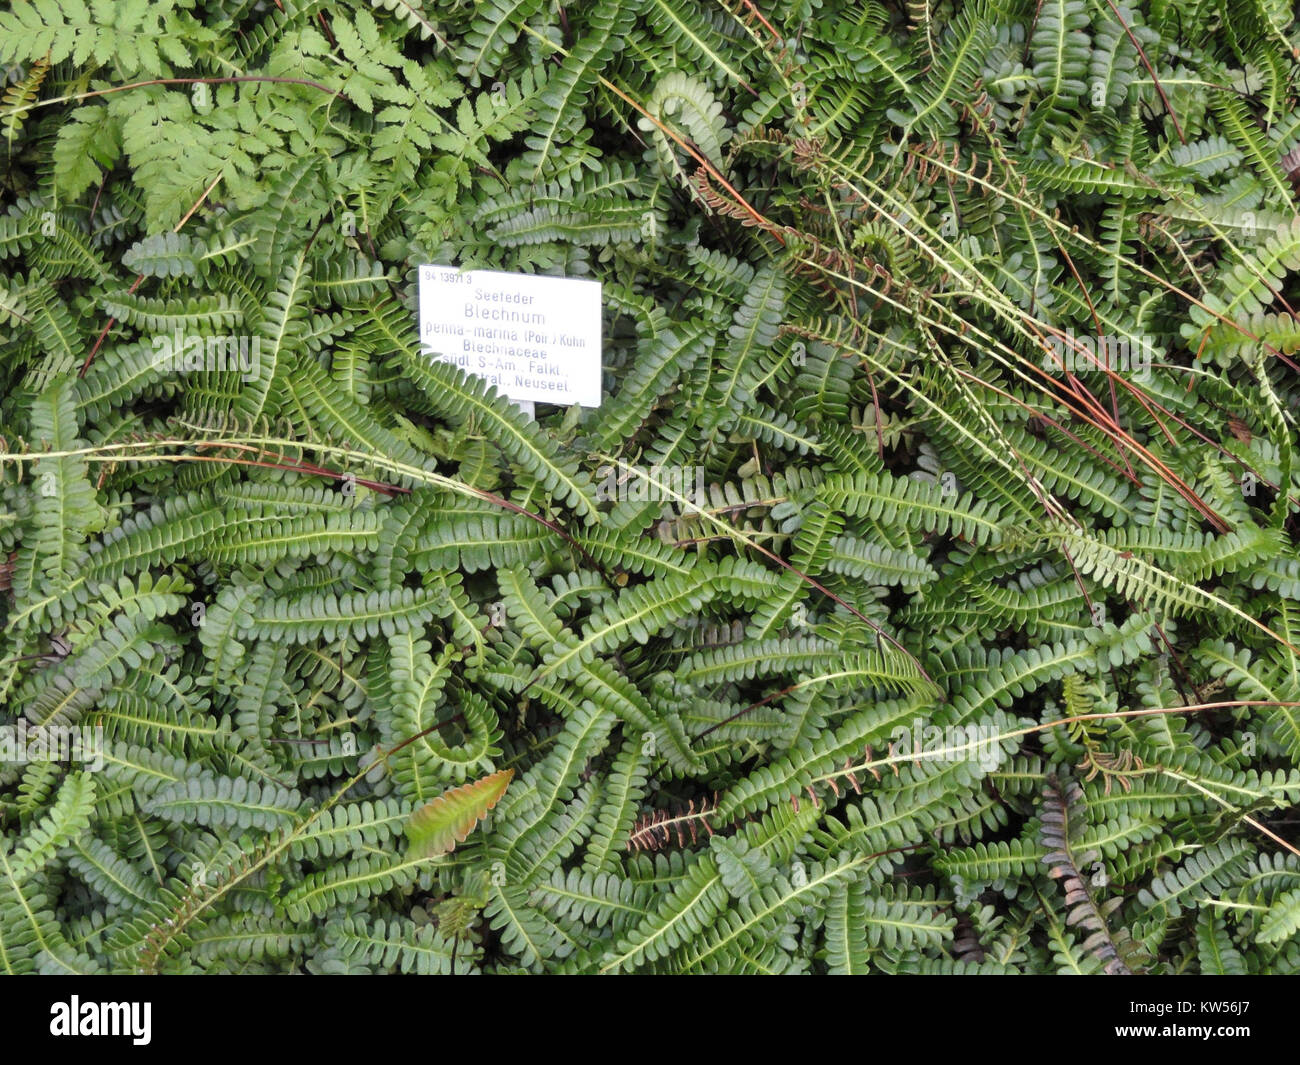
921	598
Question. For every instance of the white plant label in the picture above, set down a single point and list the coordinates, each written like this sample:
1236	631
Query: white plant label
533	338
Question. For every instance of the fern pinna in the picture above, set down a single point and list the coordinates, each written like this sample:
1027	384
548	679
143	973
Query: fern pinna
920	598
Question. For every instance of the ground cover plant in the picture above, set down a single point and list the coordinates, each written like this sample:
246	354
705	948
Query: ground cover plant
921	598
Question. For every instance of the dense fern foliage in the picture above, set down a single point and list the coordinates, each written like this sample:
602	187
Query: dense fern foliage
976	650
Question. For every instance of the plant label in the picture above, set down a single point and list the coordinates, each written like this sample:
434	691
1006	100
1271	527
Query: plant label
533	338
